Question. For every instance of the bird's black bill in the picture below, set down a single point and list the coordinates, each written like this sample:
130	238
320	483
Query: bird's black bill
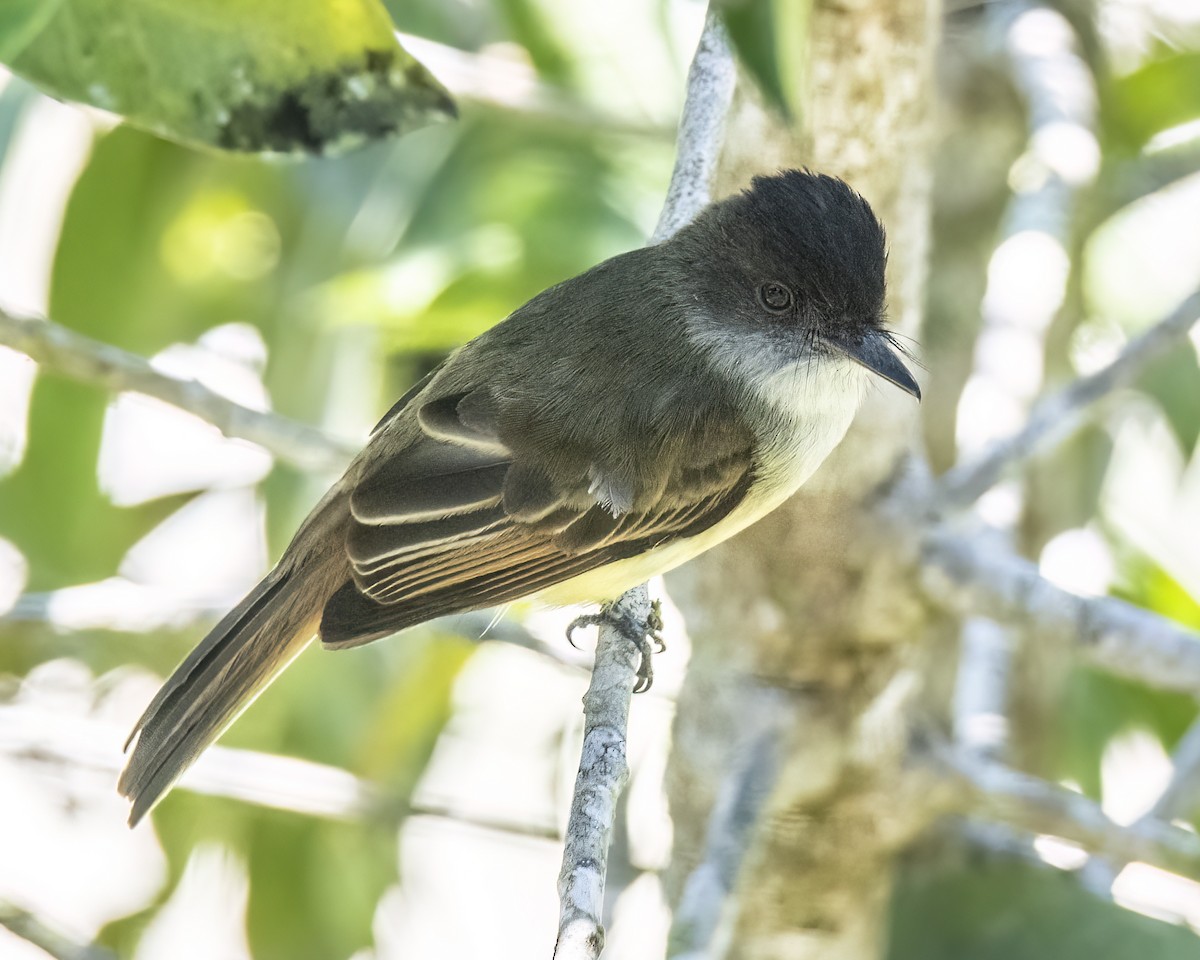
875	352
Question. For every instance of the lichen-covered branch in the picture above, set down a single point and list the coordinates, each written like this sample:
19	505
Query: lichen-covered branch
603	773
1061	414
602	766
57	349
974	575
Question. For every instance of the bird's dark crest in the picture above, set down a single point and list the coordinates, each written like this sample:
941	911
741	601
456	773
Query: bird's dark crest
827	229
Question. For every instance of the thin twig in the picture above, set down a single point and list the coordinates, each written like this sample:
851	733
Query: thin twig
602	766
710	84
29	928
973	575
1179	799
142	609
978	787
60	350
603	773
1061	414
981	687
703	915
63	747
1041	53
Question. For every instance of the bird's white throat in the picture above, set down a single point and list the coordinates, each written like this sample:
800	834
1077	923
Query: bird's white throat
806	409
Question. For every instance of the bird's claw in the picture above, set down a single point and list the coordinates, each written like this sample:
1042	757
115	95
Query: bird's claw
655	626
647	637
584	620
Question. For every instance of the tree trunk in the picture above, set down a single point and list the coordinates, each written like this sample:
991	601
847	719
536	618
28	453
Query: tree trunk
811	601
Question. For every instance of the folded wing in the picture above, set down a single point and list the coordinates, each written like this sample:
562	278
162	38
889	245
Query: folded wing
456	520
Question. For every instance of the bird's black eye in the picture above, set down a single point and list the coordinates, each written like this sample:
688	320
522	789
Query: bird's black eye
775	296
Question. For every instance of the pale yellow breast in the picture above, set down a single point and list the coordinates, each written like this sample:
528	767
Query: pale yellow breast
810	415
610	581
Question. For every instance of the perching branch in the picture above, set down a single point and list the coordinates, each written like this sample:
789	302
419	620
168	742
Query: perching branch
1061	414
602	767
979	787
710	86
972	575
603	773
60	350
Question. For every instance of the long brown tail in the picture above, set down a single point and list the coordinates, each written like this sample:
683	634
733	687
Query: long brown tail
217	681
235	662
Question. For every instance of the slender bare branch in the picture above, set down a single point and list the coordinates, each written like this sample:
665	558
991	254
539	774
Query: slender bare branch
703	914
710	86
1179	799
60	350
29	928
973	575
57	745
981	688
142	609
603	773
1041	53
1061	414
978	787
602	766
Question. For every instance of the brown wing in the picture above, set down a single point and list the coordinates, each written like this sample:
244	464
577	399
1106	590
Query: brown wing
457	521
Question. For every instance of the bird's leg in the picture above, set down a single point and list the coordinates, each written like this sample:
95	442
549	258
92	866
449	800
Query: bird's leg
645	636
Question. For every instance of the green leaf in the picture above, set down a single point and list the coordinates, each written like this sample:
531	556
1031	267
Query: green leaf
999	910
1162	94
770	38
52	507
1174	382
21	21
278	76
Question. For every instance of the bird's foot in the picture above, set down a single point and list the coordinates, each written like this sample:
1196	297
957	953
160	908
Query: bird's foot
647	637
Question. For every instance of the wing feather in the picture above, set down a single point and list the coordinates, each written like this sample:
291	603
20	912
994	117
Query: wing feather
455	519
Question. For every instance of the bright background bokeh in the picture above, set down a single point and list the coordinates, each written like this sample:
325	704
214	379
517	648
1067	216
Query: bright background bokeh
403	800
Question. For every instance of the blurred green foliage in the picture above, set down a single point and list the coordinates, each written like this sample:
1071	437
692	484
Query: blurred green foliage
410	246
361	272
1164	93
991	909
770	38
21	21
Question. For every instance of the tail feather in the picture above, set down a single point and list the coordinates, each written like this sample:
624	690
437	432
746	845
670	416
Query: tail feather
217	681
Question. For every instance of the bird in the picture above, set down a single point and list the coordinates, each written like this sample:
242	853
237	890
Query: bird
615	426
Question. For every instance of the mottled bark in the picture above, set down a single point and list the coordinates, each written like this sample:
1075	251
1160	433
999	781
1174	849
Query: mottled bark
810	600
